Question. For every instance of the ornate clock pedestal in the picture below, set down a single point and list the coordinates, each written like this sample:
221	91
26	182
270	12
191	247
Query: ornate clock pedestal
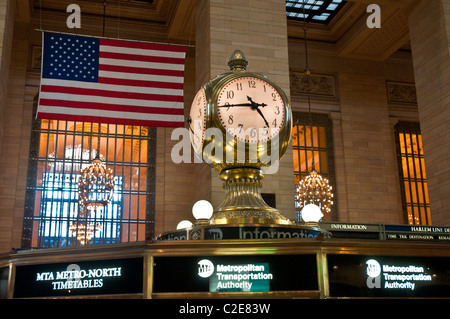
243	203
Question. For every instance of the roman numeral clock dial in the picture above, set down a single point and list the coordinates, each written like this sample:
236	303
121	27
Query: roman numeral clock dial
251	109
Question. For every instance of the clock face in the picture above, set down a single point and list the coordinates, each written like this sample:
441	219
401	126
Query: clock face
197	120
251	109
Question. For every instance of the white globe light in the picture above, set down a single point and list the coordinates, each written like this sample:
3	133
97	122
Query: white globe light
184	224
311	213
202	209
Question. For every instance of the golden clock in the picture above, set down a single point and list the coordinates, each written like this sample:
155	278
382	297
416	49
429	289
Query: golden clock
238	121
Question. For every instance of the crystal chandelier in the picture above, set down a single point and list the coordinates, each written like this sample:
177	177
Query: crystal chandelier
95	185
314	189
95	190
96	182
84	231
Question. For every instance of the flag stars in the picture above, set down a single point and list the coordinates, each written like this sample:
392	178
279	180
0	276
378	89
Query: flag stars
71	58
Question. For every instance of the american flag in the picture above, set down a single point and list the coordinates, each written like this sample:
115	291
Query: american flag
111	81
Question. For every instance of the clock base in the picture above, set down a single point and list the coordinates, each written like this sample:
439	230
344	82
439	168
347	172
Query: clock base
243	203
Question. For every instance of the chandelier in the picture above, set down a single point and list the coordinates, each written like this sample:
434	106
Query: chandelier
95	185
84	231
314	189
95	190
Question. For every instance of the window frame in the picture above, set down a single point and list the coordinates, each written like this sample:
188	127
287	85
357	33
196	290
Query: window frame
420	183
32	214
316	11
317	120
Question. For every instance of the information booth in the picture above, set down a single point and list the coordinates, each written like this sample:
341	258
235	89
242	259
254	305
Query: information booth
415	263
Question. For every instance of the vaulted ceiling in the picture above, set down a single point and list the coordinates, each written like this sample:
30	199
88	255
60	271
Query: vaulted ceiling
173	21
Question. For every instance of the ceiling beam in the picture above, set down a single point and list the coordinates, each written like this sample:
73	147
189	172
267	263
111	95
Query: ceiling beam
181	24
376	43
23	11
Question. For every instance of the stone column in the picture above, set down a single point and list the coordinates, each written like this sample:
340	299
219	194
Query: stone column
259	29
6	30
10	133
429	24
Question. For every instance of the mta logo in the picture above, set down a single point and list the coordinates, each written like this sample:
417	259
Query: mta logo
205	268
373	273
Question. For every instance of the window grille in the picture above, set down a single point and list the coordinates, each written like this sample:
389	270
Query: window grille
59	150
413	177
322	139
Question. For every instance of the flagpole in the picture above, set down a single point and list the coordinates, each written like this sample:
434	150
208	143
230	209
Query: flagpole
111	38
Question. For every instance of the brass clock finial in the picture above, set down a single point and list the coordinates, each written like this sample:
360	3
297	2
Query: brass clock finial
237	61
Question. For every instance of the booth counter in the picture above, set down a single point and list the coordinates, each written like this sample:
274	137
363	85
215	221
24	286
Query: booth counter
258	268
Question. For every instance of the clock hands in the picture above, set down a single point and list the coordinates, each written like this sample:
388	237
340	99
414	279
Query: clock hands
244	104
239	104
260	113
188	122
253	105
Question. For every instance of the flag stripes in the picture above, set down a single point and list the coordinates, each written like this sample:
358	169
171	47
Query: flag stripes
111	81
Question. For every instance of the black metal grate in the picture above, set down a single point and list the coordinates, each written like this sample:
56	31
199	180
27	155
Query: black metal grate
59	151
413	178
319	125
